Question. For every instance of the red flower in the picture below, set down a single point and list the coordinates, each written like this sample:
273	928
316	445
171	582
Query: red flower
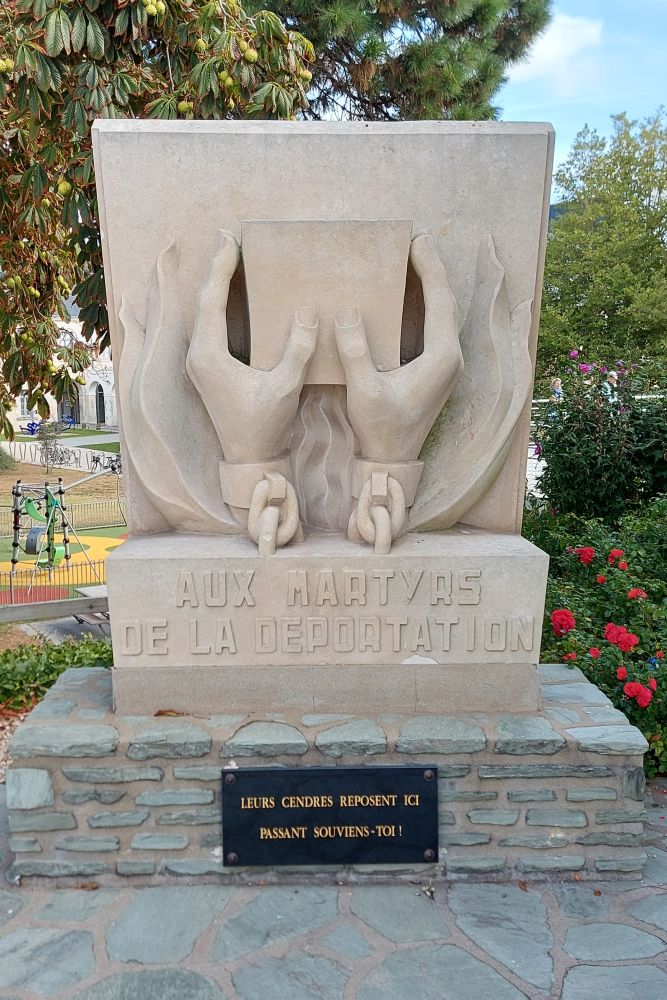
621	673
612	632
636	592
626	641
586	554
594	652
615	554
644	698
622	565
601	578
659	655
653	684
562	621
570	656
632	689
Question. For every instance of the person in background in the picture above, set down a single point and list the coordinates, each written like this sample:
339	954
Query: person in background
608	387
556	395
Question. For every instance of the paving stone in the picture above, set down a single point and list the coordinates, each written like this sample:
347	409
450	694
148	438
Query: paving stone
135	867
161	925
265	739
655	872
608	942
611	839
521	734
106	796
652	910
102	844
590	794
193	866
494	817
458	864
621	740
346	941
75	904
526	795
55	869
113	775
154	984
464	839
465	795
536	841
169	739
64	741
25	845
440	972
192	817
581	901
635	863
44	960
544	771
508	924
625	982
634	784
620	816
200	772
277	914
175	797
225	721
565	715
28	788
399	913
553	863
583	694
361	737
134	817
556	817
440	734
322	720
160	841
53	708
297	976
31	823
10	905
602	714
557	673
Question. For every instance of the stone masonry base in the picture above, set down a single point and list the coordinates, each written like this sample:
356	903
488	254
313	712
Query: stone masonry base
94	794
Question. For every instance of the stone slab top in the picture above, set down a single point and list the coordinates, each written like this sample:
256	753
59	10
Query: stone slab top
329	127
546	737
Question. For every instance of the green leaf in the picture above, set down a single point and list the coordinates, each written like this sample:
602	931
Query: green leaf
121	22
57	32
79	31
95	38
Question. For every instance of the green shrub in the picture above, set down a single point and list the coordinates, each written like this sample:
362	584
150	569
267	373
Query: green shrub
604	457
6	461
26	673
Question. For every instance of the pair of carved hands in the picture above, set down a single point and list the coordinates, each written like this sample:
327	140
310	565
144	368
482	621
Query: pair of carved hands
391	412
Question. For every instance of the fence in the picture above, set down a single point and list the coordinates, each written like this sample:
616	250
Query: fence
84	514
27	586
86	459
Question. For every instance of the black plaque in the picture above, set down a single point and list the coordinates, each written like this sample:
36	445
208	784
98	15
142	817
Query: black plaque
329	815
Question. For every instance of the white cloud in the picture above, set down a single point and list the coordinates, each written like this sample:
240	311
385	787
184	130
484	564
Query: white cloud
563	58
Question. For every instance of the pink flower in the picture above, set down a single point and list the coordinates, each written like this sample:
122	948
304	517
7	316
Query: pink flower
653	684
569	656
644	697
636	593
594	652
562	621
621	673
632	689
622	565
601	578
586	554
585	369
574	354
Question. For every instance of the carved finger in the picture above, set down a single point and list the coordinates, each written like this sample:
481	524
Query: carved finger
355	357
211	322
290	371
441	324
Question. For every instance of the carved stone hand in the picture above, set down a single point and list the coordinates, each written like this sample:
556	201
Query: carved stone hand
392	412
251	410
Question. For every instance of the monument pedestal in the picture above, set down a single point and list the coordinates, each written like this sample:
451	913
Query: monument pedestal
446	622
96	794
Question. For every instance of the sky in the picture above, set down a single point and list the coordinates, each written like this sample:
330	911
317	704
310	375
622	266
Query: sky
596	58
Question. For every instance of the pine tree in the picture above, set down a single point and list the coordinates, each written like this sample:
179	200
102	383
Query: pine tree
394	59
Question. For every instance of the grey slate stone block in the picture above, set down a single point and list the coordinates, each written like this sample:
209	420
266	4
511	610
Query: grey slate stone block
553	863
556	817
45	961
65	740
401	916
298	976
25	845
101	844
634	863
628	982
535	841
634	783
75	905
457	864
590	794
153	984
550	771
362	737
134	817
464	795
56	869
265	739
559	673
28	788
621	740
440	734
131	866
611	839
453	770
464	839
175	797
652	910
193	866
192	817
583	694
169	739
42	822
609	942
518	734
620	816
53	708
526	795
113	775
106	796
494	817
160	841
198	772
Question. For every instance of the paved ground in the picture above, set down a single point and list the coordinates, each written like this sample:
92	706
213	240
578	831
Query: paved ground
558	940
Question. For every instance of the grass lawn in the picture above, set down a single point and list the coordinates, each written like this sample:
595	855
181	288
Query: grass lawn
71	432
101	488
112	446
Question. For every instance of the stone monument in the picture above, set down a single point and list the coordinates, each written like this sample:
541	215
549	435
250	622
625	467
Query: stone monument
324	338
